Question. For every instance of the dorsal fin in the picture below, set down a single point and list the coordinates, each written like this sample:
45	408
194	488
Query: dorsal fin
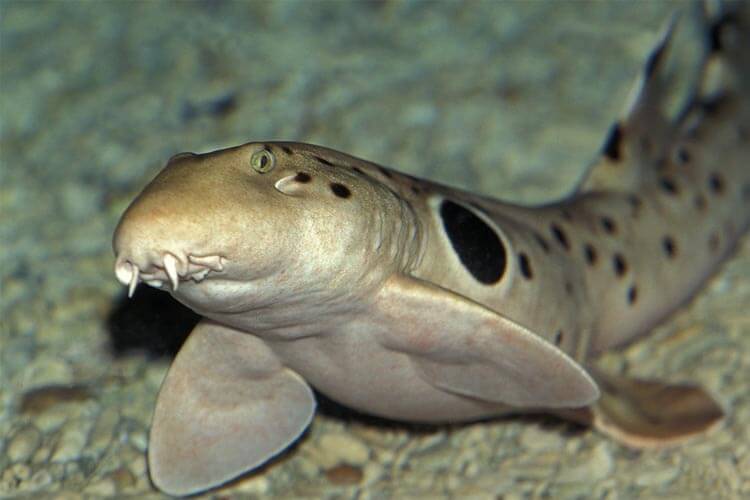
632	145
662	101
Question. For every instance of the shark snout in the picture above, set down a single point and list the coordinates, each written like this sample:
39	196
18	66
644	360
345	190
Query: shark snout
160	241
158	252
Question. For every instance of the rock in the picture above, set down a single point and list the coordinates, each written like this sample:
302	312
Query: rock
71	441
123	478
102	488
24	443
593	468
253	485
657	476
104	430
335	449
344	475
536	438
40	480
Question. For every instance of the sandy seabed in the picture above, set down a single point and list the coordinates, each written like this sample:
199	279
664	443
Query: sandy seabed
511	98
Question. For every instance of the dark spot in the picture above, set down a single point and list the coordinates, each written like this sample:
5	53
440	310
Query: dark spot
713	242
340	190
322	160
714	33
569	288
700	202
560	236
669	246
632	295
542	242
222	105
612	148
217	107
635	201
344	475
566	214
302	177
385	172
608	225
716	183
682	156
358	170
523	262
711	105
49	397
714	38
558	337
286	149
590	253
415	189
668	185
654	60
619	265
478	247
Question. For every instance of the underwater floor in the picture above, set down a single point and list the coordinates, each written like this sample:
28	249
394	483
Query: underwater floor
509	98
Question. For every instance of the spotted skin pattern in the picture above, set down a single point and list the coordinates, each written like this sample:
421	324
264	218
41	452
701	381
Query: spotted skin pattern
413	300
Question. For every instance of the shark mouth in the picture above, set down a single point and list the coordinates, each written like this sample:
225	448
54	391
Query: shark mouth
167	268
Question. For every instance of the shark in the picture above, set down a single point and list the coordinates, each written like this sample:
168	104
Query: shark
413	300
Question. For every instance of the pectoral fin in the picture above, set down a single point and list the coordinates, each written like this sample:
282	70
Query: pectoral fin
645	413
226	406
462	347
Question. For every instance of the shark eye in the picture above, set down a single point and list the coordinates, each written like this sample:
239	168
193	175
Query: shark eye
262	161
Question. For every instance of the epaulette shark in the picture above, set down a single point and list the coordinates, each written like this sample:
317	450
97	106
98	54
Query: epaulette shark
412	300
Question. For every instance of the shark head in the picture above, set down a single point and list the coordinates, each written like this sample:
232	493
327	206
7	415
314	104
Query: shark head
256	227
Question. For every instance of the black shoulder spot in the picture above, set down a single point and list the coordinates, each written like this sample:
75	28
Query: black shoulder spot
478	247
612	147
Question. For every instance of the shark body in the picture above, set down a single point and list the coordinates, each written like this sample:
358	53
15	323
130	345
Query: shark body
413	300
